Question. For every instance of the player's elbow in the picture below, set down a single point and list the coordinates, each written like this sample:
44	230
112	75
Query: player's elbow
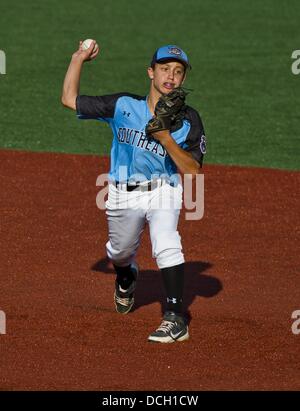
195	169
64	101
191	173
192	166
69	102
195	173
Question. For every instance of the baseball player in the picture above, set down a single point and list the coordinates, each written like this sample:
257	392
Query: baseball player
154	137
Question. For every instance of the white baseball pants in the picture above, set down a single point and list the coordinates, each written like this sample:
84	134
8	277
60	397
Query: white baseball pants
127	214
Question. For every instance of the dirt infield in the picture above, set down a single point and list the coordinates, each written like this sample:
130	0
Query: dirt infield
56	287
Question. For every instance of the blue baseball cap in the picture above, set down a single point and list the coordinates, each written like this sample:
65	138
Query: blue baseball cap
170	52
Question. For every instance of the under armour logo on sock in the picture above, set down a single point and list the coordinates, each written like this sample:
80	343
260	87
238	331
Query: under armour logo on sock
172	300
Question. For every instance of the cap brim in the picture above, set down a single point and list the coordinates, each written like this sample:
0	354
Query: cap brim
165	59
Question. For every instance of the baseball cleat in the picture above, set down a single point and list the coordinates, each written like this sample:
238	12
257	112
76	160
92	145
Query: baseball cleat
172	328
124	299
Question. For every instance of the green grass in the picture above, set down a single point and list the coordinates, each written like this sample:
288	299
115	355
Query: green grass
240	52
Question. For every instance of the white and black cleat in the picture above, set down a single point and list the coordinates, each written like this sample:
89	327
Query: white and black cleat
124	299
173	328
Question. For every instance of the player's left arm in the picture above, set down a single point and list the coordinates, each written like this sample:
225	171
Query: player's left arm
184	161
189	157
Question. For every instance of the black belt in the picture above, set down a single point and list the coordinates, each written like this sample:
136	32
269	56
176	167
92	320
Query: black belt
139	186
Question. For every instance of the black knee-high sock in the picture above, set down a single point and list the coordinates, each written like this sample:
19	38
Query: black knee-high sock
173	278
124	276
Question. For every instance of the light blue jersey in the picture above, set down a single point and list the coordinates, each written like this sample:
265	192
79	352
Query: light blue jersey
134	155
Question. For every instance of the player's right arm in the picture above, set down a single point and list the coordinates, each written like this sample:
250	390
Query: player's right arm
72	79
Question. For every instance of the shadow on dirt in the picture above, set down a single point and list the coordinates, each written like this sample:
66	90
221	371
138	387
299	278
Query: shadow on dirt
150	286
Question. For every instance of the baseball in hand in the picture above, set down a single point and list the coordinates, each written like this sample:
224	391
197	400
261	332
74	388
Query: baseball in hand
86	44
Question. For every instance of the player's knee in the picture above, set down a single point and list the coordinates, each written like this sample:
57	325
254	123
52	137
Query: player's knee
118	255
167	249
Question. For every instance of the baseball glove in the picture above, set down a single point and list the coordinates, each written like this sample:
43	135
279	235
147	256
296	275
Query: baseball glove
168	111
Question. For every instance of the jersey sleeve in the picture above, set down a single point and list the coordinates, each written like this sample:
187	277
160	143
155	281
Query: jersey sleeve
97	107
195	142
